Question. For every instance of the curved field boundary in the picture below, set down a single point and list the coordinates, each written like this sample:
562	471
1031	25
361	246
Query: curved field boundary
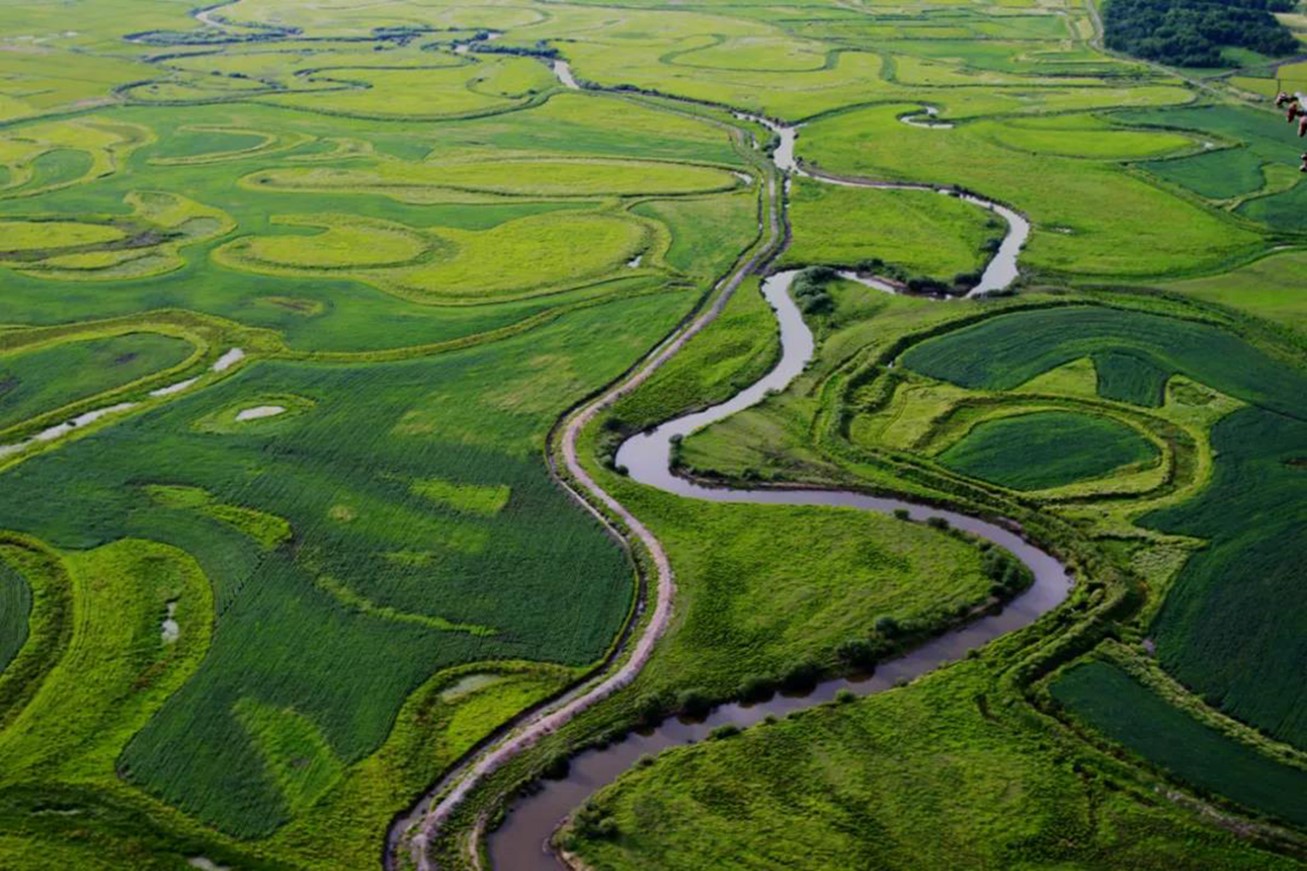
50	621
273	143
207	333
525	325
200	347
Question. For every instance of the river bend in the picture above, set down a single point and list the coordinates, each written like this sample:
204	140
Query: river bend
521	842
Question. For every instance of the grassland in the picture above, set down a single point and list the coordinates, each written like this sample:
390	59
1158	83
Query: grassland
1020	346
1112	702
49	378
920	232
298	557
258	640
1265	288
1091	216
15	607
742	347
1221	616
362	523
1220	609
1043	450
1250	172
928	776
718	800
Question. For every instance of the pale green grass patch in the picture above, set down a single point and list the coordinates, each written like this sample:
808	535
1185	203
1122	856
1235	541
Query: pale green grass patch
471	498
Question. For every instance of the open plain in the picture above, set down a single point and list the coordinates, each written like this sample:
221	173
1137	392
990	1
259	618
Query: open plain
652	434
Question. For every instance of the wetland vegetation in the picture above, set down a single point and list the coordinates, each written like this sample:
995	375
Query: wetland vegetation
315	551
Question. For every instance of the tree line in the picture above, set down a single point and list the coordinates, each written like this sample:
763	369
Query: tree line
1191	33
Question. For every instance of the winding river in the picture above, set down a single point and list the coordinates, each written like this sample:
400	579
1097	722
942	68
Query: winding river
1002	268
522	841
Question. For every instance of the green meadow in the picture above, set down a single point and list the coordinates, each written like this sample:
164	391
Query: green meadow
1046	449
1109	700
295	295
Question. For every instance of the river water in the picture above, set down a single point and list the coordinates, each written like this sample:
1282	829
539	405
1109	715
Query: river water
521	843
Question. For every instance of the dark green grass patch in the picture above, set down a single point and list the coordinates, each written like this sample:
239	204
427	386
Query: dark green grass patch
197	143
15	606
35	382
708	233
58	166
991	54
1287	209
1265	139
1005	351
1217	174
1047	449
920	232
1114	703
742	345
1130	378
1234	625
381	586
1261	131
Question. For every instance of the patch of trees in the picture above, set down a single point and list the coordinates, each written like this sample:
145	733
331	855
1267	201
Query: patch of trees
1191	33
1008	575
922	285
207	36
809	290
541	49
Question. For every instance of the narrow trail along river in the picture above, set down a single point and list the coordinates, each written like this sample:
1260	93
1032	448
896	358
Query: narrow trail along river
522	841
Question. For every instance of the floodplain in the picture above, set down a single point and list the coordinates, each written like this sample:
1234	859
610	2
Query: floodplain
322	326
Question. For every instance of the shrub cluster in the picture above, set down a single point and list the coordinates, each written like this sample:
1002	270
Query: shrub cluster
809	290
1008	574
541	49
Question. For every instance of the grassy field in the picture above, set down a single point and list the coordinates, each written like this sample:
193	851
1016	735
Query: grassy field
1042	450
756	613
1266	288
268	573
48	378
1128	377
1210	611
1091	217
1256	168
1225	612
1112	702
921	232
252	617
741	347
1019	346
708	233
378	566
15	607
927	776
1221	615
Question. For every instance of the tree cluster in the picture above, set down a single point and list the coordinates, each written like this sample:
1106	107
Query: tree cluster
1191	33
809	290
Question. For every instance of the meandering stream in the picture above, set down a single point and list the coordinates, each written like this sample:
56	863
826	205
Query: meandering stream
521	842
1002	268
